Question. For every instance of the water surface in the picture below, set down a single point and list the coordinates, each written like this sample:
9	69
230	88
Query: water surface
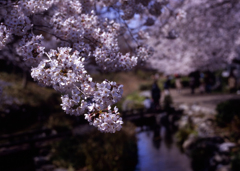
157	151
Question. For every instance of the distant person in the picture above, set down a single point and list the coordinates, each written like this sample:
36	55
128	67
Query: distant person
232	83
166	85
194	81
208	82
192	84
178	83
197	76
218	84
202	85
156	95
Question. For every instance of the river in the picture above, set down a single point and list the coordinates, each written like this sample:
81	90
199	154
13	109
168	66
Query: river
158	151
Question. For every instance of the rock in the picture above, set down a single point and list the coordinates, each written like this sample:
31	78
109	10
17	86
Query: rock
183	121
184	107
191	139
212	162
205	130
41	161
197	121
61	169
225	147
223	168
218	158
226	159
54	132
48	167
195	108
41	158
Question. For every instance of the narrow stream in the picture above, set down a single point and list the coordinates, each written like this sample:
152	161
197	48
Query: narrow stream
158	151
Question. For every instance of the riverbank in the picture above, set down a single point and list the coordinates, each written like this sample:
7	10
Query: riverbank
207	135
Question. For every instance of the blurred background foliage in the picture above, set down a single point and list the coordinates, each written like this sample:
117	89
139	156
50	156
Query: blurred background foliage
228	112
33	107
98	151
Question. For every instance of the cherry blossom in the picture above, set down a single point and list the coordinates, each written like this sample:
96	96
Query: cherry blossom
57	40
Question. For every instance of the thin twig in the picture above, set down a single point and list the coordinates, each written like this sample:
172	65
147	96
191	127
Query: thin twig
48	56
53	35
80	90
41	26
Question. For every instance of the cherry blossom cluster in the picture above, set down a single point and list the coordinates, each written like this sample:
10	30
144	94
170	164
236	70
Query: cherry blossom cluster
107	93
72	7
89	29
73	104
61	70
73	28
131	7
205	39
30	47
106	121
144	52
18	22
82	35
65	72
114	61
143	35
181	14
35	6
5	36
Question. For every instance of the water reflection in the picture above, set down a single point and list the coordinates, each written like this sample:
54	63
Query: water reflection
157	151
